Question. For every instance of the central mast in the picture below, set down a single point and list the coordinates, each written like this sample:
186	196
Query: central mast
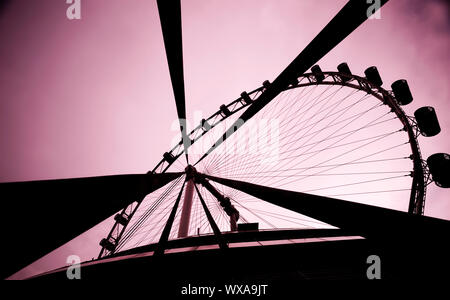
183	231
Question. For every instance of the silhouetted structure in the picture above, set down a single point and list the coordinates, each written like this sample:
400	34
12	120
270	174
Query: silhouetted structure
409	244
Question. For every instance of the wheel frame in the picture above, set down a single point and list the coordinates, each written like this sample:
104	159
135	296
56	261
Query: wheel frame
418	189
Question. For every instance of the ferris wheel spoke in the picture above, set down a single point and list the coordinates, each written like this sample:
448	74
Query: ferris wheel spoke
221	158
282	138
291	155
149	211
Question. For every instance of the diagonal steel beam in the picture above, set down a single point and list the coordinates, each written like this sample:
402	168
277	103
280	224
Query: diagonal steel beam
225	202
353	14
211	221
170	17
39	216
168	227
369	221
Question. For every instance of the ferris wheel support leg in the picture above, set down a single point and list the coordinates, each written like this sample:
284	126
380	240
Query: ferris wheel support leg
166	231
377	223
222	244
225	202
233	222
187	207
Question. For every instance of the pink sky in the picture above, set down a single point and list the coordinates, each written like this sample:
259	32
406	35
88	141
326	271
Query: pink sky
93	96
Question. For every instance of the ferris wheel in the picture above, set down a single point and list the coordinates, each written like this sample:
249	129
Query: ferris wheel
332	134
309	150
335	134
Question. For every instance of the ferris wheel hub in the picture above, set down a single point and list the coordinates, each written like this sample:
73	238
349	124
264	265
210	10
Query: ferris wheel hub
190	172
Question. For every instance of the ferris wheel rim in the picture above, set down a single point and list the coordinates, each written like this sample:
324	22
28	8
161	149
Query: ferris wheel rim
417	195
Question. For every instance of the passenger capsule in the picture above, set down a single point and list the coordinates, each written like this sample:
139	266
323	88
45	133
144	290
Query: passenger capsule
107	244
427	121
317	73
266	84
121	219
246	97
402	92
224	110
168	157
345	71
439	166
373	76
205	125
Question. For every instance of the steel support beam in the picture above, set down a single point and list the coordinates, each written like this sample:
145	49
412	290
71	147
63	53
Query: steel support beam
186	211
40	216
211	221
170	17
365	220
229	208
353	14
168	227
